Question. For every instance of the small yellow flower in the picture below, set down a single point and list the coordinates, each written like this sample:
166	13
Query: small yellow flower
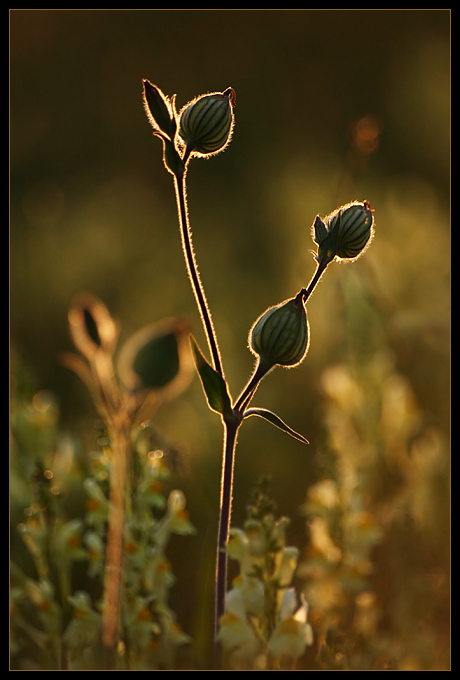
144	615
131	548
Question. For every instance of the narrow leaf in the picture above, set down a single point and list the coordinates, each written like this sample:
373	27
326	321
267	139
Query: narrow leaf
276	421
214	386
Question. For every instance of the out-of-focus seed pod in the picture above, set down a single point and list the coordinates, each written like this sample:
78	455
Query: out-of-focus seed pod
206	123
281	335
157	358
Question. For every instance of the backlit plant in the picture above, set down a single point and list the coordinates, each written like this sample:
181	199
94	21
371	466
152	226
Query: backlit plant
281	335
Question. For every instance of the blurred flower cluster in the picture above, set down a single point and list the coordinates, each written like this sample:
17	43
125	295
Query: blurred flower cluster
265	625
375	572
62	506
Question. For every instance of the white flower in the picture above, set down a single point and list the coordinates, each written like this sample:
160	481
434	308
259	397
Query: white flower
235	632
246	597
293	633
287	565
176	519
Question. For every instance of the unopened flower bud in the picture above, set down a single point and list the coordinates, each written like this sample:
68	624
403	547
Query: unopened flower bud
344	233
281	335
206	123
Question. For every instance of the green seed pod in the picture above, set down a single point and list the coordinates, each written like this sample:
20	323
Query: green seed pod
281	335
345	233
206	123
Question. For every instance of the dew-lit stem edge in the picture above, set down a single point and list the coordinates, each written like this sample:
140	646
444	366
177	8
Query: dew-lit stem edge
194	276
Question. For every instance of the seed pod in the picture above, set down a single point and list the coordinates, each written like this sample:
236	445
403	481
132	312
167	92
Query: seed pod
345	233
281	335
206	123
157	358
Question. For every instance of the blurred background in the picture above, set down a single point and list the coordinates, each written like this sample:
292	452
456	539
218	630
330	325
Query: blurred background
331	106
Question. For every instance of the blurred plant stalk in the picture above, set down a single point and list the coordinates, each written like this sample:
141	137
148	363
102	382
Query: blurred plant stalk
111	626
153	365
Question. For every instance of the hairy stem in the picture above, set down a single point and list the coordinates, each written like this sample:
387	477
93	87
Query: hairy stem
226	494
316	277
230	428
194	276
248	392
232	423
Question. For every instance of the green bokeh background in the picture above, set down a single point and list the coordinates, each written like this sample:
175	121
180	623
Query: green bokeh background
92	209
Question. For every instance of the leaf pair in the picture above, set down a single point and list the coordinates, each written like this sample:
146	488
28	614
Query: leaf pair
218	398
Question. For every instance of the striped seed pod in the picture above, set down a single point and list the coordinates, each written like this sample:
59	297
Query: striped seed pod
281	335
345	233
206	123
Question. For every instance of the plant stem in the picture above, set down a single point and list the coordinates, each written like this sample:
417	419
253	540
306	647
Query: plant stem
226	494
316	277
114	551
192	268
231	427
232	422
248	392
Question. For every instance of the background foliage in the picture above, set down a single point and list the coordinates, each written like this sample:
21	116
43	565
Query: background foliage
331	106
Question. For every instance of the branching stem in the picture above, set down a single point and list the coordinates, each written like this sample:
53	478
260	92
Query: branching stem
230	428
243	400
233	421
